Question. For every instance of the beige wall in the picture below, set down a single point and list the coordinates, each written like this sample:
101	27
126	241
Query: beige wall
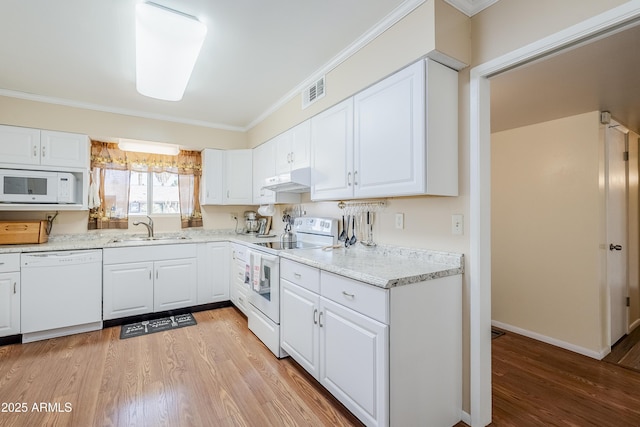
546	215
511	24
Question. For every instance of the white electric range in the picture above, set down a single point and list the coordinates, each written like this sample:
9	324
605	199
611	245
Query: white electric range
263	278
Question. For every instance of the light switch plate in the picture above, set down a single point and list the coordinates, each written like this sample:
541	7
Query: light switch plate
400	221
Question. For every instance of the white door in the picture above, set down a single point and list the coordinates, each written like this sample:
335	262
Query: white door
175	284
299	326
616	191
64	149
9	304
354	361
127	289
389	142
19	145
332	159
238	179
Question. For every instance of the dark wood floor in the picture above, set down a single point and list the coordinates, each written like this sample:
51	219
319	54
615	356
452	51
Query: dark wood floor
218	374
626	352
536	384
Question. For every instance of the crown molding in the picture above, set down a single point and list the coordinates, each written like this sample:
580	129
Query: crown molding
471	7
115	110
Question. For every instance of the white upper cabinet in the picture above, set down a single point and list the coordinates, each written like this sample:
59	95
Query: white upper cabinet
293	148
332	153
226	177
35	147
399	137
264	166
238	177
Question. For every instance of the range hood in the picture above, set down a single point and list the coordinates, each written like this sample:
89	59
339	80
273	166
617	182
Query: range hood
296	181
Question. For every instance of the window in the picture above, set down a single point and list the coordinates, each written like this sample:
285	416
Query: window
154	193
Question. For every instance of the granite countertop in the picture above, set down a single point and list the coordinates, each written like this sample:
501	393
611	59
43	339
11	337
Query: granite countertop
382	266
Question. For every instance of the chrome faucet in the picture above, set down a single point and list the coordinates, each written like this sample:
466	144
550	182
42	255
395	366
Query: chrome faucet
148	225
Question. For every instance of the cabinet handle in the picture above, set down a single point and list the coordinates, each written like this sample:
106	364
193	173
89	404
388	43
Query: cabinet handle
297	275
149	274
348	295
227	194
315	313
288	157
156	274
292	157
35	151
320	319
207	193
44	152
355	178
349	179
1	263
14	287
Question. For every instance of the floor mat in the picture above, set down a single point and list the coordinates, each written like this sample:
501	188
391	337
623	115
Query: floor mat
156	325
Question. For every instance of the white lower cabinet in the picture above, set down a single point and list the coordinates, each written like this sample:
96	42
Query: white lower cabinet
213	272
391	356
9	294
144	280
344	350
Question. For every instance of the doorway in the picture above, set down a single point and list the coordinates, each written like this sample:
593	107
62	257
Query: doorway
480	187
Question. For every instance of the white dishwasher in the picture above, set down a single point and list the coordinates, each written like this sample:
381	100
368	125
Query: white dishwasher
61	293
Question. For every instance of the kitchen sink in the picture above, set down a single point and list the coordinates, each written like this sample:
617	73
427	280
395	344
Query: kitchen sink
147	239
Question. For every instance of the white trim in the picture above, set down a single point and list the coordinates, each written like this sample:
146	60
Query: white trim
466	418
599	355
471	7
634	325
480	195
396	15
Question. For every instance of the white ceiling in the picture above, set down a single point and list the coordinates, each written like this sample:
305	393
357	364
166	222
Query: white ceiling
601	75
256	54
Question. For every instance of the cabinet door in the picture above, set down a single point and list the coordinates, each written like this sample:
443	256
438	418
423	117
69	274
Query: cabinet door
19	145
299	325
127	289
332	153
264	166
301	145
283	152
389	135
175	284
212	177
9	304
213	272
355	361
238	177
64	149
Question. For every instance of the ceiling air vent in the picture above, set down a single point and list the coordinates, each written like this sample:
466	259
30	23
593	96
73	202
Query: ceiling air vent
313	93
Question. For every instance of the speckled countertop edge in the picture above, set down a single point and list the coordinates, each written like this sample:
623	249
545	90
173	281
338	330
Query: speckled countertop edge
382	266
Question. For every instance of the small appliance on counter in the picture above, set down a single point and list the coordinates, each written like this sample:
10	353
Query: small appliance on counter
251	222
255	225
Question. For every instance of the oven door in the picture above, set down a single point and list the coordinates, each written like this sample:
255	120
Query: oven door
265	284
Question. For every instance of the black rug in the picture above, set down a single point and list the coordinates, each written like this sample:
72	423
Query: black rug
156	325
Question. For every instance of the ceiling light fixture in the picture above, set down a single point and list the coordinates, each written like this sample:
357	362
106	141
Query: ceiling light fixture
148	147
167	46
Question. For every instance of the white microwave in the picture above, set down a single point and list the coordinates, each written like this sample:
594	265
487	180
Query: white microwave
26	186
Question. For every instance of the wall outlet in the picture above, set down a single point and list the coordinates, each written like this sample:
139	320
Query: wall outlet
399	221
234	215
457	225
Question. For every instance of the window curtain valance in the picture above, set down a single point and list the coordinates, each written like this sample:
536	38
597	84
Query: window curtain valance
110	177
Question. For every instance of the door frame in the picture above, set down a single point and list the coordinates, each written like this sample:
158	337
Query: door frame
479	265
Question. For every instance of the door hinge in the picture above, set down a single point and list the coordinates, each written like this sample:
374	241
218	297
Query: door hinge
625	156
628	302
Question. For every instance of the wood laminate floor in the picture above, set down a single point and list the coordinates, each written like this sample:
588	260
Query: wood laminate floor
626	352
218	373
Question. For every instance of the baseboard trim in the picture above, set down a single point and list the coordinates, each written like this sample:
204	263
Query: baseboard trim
634	325
599	355
466	418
